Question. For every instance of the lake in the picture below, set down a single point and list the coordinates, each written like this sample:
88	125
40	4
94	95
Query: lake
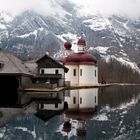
108	113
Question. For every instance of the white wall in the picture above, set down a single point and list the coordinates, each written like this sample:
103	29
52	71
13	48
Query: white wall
89	98
88	75
69	100
69	75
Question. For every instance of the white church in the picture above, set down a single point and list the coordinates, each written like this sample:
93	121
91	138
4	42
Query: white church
83	70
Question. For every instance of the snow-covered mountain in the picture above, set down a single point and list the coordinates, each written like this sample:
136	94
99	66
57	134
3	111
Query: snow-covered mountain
31	33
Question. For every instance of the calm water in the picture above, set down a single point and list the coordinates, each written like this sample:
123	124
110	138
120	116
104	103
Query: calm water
111	113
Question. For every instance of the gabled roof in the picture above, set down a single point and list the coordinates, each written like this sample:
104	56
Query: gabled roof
51	62
11	64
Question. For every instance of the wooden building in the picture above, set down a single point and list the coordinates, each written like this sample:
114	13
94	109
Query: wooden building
49	72
14	74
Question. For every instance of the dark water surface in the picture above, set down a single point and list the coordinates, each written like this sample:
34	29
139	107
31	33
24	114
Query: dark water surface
111	113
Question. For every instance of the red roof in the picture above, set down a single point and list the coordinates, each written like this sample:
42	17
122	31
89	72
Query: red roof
67	45
81	41
80	58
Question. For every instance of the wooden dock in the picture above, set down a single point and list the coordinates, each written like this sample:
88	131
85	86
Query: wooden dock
46	90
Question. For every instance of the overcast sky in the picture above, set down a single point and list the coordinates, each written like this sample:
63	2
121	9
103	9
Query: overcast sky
46	7
129	8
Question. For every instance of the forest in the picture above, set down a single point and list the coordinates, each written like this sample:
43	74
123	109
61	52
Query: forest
116	72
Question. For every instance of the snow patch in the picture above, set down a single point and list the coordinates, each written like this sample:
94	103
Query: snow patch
27	35
100	24
101	117
33	133
2	27
2	131
7	17
101	49
74	126
124	61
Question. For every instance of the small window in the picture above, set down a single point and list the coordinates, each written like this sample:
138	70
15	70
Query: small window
56	105
42	71
95	99
56	71
42	106
74	72
95	73
1	65
80	100
74	100
80	72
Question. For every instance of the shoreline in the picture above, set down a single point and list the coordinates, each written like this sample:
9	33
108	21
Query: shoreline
47	90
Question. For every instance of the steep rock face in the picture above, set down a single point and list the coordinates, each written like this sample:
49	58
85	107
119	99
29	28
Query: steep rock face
30	34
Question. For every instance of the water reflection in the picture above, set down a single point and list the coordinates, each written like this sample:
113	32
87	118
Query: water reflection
114	96
111	113
81	107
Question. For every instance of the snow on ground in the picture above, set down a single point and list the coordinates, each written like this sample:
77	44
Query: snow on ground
7	17
2	27
101	49
33	133
31	33
2	131
74	126
101	117
27	35
124	61
100	24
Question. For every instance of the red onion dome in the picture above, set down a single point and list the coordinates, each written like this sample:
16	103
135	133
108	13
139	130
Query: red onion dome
81	41
67	45
80	58
87	58
72	59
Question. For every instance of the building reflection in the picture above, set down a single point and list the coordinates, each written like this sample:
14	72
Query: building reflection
81	106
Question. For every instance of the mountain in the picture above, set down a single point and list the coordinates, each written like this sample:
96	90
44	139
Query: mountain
30	34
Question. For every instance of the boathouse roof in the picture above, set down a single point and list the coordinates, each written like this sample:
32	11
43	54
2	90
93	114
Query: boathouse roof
51	63
10	64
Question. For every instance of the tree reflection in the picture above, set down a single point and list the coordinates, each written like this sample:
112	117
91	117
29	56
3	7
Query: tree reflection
117	95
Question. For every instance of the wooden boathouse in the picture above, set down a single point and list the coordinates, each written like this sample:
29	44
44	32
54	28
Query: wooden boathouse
14	75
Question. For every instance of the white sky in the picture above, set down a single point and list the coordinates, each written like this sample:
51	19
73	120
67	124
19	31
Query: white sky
46	7
129	8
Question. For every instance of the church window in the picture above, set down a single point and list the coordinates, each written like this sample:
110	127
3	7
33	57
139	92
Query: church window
80	100
95	73
80	72
74	100
95	99
74	72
